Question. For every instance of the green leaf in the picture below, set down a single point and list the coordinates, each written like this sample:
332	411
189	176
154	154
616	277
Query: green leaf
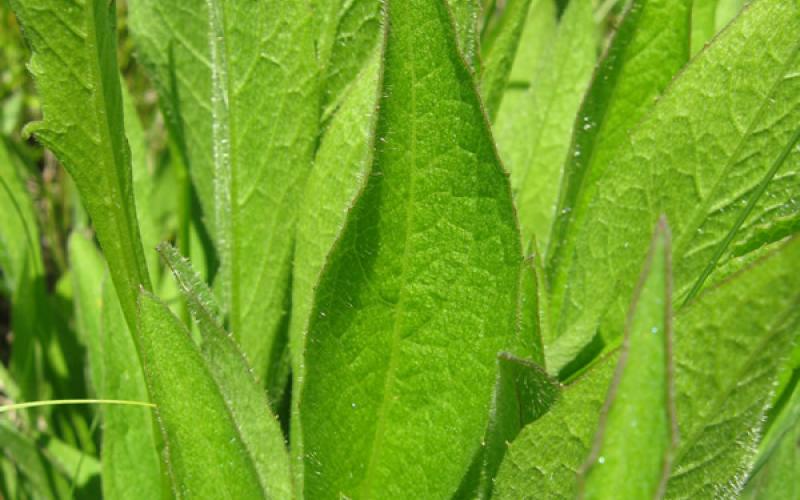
23	275
203	446
53	468
721	391
724	387
171	39
648	49
500	52
340	171
257	427
700	158
534	132
19	235
537	34
727	10
704	23
87	299
778	466
264	105
523	392
465	16
22	450
349	31
543	460
420	292
143	183
639	407
130	447
74	64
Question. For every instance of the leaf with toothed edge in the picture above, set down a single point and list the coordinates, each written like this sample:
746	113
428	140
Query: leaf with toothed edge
707	187
74	64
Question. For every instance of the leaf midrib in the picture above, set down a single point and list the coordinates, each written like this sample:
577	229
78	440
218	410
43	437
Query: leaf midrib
380	426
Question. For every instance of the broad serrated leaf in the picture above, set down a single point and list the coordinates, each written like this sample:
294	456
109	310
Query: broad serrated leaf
723	387
420	292
544	459
703	157
264	106
204	450
74	64
523	392
777	468
340	171
721	391
499	53
639	406
130	462
245	400
534	131
648	49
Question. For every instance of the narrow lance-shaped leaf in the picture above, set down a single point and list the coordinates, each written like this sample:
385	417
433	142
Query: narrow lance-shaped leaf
701	157
721	391
500	52
74	64
538	33
419	293
340	171
265	105
205	452
637	429
130	462
648	49
87	299
544	118
245	399
349	31
704	23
